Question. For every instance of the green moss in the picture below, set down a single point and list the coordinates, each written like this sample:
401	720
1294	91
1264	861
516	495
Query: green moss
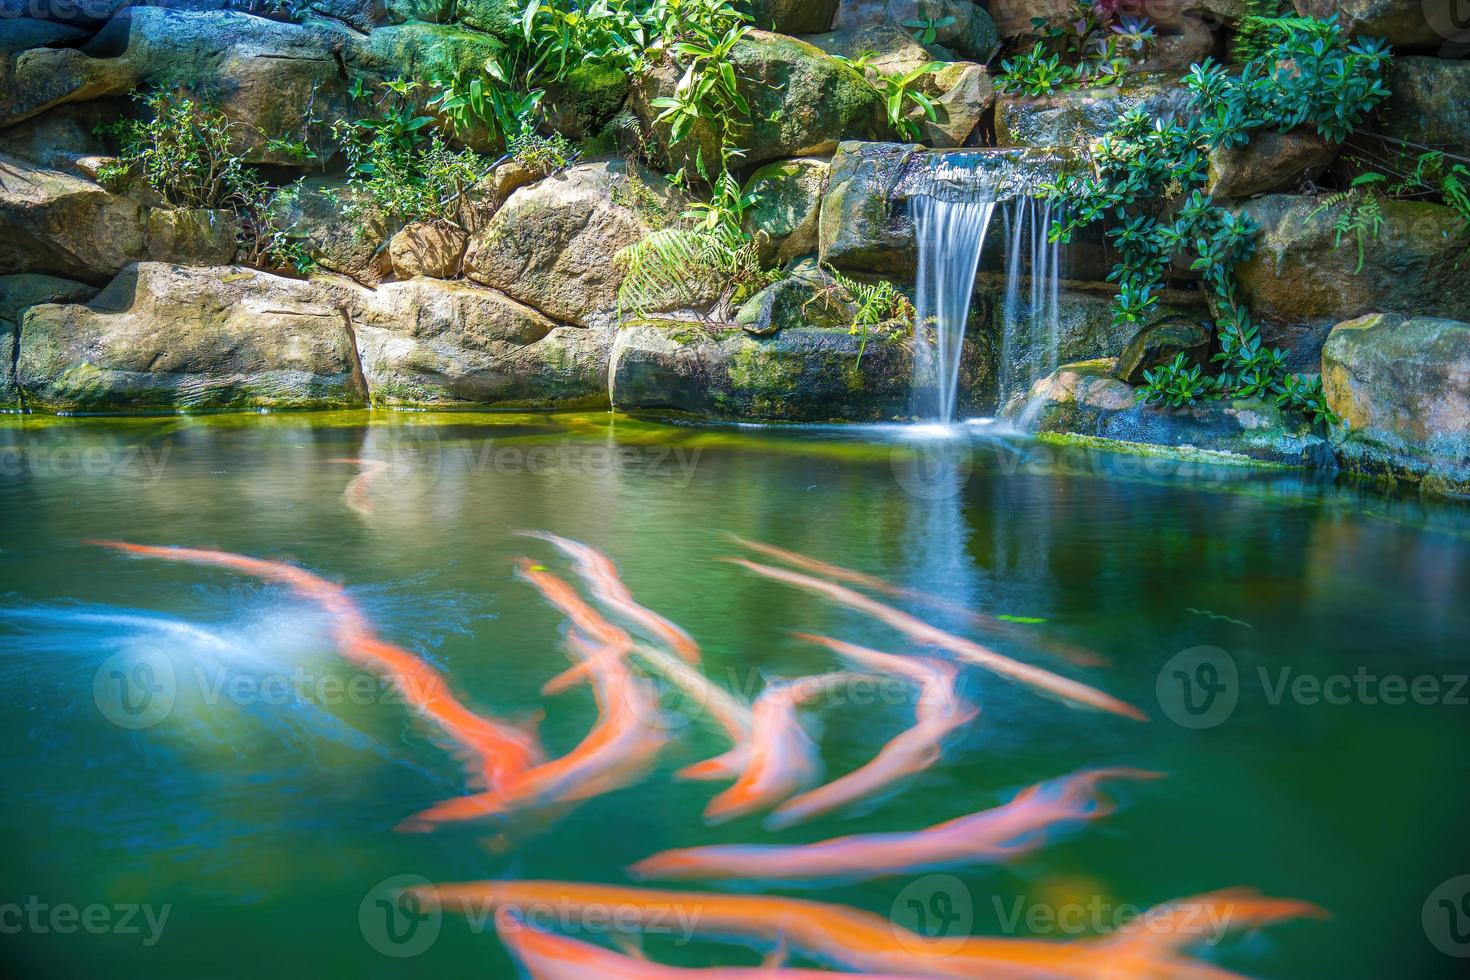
1183	454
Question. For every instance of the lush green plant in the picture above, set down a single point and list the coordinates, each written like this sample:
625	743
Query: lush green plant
901	94
182	149
1175	384
876	307
1095	46
471	104
1034	72
399	168
543	154
926	30
271	236
1304	395
1257	28
1310	75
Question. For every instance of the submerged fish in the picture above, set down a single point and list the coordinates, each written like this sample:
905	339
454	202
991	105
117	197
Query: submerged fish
937	714
544	955
602	577
856	940
966	650
619	749
1003	625
493	750
781	758
987	837
357	495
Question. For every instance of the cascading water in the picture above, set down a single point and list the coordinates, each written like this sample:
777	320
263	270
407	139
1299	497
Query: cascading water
952	213
953	197
1031	334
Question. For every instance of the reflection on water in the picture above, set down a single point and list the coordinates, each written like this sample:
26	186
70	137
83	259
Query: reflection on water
258	803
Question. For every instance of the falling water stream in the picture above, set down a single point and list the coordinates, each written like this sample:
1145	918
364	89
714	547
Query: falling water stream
952	206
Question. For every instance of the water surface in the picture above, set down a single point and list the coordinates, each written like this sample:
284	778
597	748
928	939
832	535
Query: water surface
262	823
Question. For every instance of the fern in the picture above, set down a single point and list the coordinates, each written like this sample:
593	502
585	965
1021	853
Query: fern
873	305
682	266
1359	213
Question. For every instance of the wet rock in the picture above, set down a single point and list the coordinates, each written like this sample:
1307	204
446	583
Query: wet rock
428	248
801	299
962	92
1188	41
1032	344
799	374
803	102
793	16
865	224
964	95
498	18
552	244
1160	342
1271	161
426	342
163	337
1409	25
1402	387
789	206
1428	104
1087	399
17	293
972	32
361	15
581	105
1301	282
1078	117
1013	17
54	223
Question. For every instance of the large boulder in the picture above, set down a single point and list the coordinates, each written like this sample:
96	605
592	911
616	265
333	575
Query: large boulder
581	105
1409	25
1429	104
163	337
64	138
552	244
865	225
1401	385
800	374
971	31
54	223
1302	280
802	100
1080	116
1087	399
425	342
788	206
1271	161
17	294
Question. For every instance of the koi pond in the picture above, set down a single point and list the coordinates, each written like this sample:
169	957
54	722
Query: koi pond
230	768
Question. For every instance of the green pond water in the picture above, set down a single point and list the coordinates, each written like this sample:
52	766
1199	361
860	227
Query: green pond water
261	824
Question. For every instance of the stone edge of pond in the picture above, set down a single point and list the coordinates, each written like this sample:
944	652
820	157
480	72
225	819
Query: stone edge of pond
1182	454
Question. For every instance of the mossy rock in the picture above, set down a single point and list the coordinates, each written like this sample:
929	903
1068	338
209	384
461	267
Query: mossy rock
581	105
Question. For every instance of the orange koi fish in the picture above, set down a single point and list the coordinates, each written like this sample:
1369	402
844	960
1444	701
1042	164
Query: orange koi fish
602	578
966	650
494	751
544	955
988	837
938	713
357	494
1067	651
618	751
1154	949
781	758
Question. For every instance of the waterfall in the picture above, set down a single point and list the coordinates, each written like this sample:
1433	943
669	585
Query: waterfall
1030	322
951	214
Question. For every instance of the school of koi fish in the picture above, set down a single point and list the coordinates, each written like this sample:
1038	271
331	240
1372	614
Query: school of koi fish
629	656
